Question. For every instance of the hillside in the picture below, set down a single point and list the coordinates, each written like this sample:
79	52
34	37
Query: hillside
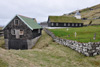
91	13
46	53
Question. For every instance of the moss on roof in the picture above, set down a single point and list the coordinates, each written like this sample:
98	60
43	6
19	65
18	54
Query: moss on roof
64	19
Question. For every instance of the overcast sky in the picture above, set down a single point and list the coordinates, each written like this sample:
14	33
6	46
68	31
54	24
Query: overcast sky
40	9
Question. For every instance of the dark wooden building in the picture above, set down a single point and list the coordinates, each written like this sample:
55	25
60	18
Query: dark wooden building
21	33
64	21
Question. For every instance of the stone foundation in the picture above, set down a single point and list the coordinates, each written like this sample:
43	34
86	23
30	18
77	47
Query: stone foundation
32	42
6	43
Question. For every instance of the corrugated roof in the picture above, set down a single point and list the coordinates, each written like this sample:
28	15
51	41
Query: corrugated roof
30	22
64	19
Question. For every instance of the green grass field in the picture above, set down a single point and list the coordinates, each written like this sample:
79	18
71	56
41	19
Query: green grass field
46	53
3	63
84	34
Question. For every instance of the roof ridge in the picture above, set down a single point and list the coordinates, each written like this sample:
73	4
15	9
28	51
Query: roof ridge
25	16
29	22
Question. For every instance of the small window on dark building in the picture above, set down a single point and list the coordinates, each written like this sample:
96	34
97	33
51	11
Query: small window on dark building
68	24
80	25
52	24
21	32
13	32
16	22
76	24
56	24
38	30
64	24
72	24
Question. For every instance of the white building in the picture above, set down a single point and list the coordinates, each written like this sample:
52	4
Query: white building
77	15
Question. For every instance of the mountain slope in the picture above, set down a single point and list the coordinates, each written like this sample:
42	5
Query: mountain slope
91	13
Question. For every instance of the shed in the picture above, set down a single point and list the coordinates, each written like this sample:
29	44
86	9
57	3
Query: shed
21	33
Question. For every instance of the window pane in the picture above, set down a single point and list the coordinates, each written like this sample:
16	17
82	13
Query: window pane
21	32
38	30
16	22
56	24
52	24
64	24
13	32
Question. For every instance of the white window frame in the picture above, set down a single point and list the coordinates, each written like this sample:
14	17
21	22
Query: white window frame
64	24
73	24
68	24
38	30
76	24
21	33
15	20
52	24
80	25
56	24
13	31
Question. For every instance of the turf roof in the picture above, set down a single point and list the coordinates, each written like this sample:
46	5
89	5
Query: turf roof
64	19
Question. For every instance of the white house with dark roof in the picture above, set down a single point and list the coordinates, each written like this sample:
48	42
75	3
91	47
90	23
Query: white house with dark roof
77	15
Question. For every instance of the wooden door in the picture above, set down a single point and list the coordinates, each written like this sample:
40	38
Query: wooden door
17	33
17	44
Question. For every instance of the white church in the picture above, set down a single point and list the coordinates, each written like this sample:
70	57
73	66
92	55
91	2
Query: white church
77	15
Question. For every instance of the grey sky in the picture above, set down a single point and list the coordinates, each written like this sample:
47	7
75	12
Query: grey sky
40	9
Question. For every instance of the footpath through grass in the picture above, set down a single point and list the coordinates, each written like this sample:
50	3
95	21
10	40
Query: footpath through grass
83	34
47	53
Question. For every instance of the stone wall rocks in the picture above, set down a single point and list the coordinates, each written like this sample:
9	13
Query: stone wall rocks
88	49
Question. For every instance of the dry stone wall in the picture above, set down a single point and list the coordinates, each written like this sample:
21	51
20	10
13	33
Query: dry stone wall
88	49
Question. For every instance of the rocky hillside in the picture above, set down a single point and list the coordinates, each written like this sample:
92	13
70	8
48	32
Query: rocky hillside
90	14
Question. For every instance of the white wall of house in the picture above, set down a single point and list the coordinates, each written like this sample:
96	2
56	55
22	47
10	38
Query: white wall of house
77	15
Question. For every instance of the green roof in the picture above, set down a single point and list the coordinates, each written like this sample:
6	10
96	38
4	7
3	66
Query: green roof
64	19
32	24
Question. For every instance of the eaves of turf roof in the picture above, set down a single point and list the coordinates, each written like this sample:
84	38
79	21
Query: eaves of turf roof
64	19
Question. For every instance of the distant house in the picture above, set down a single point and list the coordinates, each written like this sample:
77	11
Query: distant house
77	15
64	21
21	33
44	24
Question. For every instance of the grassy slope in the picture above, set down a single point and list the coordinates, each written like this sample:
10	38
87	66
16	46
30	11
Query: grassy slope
3	64
2	42
48	54
90	14
84	34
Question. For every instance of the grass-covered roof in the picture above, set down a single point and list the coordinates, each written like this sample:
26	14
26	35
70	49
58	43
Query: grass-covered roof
64	19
